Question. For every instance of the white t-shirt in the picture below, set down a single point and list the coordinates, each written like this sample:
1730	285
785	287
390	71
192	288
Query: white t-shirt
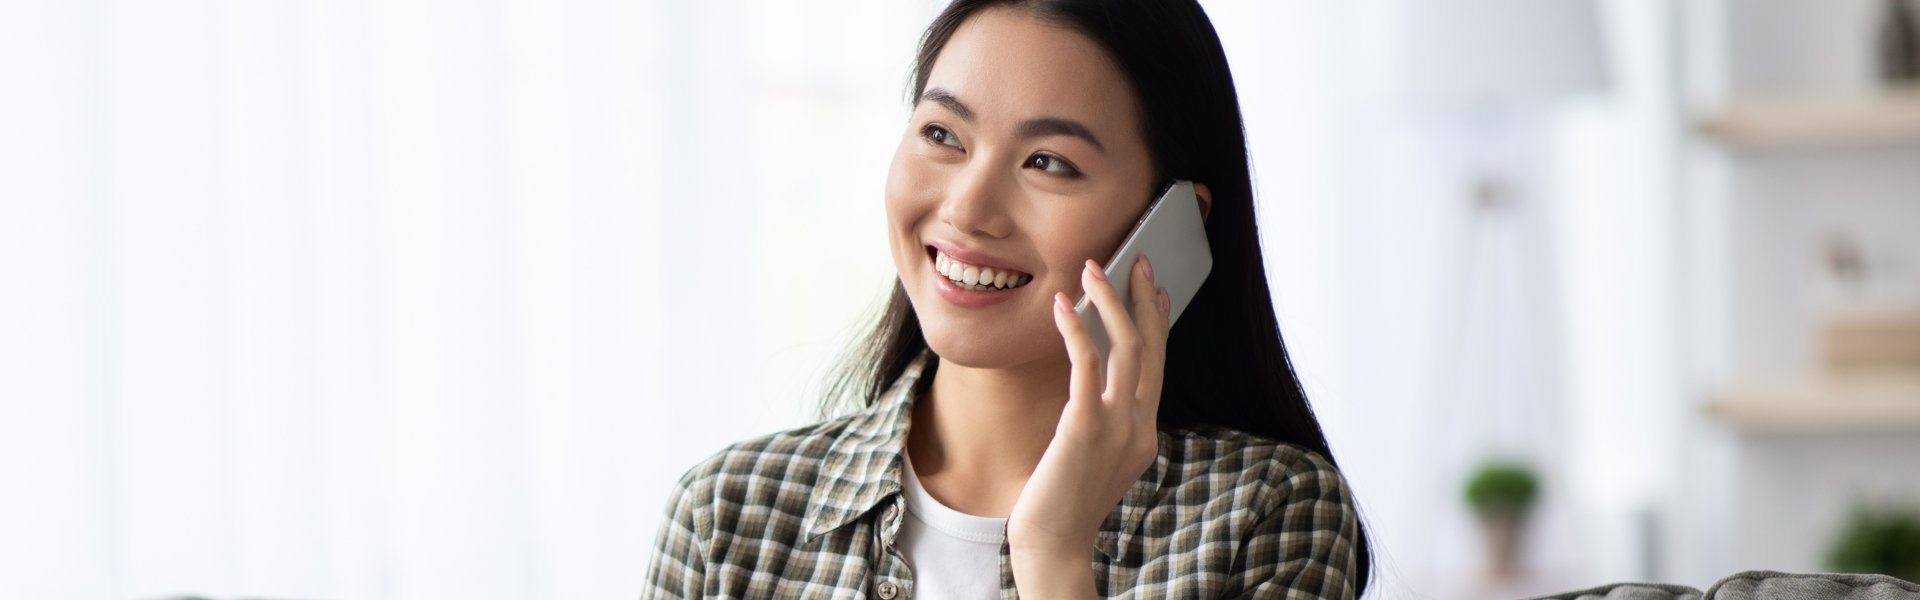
954	555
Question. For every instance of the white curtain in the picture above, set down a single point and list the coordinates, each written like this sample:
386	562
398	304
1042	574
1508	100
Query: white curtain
410	299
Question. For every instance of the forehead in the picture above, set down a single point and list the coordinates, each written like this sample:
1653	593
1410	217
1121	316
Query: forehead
1008	64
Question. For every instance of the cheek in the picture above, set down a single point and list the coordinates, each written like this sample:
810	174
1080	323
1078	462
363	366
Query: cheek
911	190
1078	235
899	187
910	202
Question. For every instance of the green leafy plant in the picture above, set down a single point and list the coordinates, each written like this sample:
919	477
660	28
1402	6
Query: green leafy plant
1878	540
1502	487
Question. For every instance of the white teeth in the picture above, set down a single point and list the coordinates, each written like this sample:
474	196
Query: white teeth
977	278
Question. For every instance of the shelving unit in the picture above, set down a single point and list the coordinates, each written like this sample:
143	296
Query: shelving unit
1793	142
1832	404
1813	121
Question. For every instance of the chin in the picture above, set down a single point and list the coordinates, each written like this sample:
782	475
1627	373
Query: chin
996	346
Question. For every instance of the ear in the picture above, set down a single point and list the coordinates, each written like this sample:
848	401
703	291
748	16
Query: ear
1205	195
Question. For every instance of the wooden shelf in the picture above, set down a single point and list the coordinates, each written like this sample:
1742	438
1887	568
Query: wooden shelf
1833	404
1803	122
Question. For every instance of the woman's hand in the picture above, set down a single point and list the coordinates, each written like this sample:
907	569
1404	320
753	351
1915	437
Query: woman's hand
1106	437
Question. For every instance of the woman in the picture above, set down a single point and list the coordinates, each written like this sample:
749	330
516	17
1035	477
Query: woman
998	453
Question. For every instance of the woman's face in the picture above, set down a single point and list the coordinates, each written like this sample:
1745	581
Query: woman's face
1023	159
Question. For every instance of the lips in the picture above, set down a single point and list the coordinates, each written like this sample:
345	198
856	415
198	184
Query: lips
976	277
972	257
973	279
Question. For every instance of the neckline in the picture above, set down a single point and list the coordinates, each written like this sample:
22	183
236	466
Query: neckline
927	509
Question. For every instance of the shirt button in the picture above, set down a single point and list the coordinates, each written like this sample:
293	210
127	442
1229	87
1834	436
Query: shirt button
888	590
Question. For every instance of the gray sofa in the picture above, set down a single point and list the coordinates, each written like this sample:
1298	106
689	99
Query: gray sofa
1760	585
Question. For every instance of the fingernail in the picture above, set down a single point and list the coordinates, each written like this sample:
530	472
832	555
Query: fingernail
1147	267
1060	301
1166	303
1094	268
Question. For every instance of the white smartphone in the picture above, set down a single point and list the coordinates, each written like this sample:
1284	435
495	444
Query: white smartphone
1174	237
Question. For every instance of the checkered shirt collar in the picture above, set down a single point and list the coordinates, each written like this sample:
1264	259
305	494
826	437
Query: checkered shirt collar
862	469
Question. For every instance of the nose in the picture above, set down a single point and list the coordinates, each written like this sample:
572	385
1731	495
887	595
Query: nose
975	203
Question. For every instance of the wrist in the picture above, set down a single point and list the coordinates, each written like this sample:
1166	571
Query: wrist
1050	544
1053	572
1051	554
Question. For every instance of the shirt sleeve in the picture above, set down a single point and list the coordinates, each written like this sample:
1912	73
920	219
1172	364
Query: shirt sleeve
679	559
1303	546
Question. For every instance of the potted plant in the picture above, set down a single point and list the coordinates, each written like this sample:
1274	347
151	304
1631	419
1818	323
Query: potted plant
1501	494
1878	540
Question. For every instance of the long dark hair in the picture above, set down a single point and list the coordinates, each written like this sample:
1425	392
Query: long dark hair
1226	364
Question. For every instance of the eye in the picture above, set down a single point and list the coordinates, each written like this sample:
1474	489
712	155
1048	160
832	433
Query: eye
1052	164
940	135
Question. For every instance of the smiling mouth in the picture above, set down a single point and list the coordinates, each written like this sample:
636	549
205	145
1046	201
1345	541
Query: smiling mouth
977	278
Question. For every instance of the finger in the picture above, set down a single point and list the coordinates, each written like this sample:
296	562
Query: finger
1087	370
1123	339
1149	316
1150	319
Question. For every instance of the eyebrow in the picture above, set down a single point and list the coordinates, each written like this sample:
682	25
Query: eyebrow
1030	128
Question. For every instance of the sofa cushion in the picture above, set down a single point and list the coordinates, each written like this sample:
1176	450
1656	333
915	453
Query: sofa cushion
1773	585
1630	591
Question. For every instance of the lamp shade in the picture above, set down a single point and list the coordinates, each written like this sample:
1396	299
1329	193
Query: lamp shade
1504	51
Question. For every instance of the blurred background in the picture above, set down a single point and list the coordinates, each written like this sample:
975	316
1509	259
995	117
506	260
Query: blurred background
417	299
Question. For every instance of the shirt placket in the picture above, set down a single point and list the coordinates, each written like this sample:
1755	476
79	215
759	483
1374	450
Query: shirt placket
894	579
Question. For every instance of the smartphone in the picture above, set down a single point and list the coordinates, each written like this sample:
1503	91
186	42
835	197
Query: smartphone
1173	236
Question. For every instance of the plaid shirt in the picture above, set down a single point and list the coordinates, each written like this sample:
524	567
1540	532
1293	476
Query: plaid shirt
813	513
